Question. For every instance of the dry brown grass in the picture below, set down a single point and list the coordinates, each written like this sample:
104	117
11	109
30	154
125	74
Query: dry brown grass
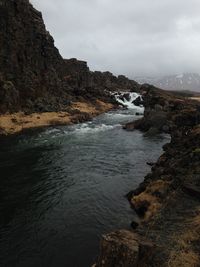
158	186
84	107
144	198
184	255
151	196
92	108
16	122
184	259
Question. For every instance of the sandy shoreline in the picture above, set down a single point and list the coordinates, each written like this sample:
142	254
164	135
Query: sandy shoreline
81	111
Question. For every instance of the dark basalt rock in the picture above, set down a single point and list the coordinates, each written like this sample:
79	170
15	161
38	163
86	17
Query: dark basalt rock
124	249
31	67
164	112
138	101
167	201
9	96
138	114
151	163
28	58
152	131
134	224
173	185
192	190
141	208
127	97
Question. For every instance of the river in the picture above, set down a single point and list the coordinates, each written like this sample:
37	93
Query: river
63	187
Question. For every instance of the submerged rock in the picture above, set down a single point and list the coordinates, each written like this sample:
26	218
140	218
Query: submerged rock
152	131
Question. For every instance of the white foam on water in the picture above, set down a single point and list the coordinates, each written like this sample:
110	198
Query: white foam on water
119	115
111	120
85	128
128	103
52	131
77	129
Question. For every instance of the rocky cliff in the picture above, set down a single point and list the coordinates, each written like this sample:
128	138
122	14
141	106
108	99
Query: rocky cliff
30	66
33	75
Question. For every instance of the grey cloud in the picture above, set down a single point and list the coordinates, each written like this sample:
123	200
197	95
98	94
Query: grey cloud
133	37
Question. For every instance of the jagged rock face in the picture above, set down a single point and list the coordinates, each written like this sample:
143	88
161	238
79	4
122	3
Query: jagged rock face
9	96
79	76
41	79
113	83
29	58
77	73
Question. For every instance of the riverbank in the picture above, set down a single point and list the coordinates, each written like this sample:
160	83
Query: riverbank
167	232
77	112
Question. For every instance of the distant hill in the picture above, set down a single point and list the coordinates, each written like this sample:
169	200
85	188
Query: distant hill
185	81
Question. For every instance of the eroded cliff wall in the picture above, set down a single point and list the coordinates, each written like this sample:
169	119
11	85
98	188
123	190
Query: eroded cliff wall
33	74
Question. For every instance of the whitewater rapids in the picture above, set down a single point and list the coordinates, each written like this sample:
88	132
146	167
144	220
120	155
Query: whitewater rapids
127	99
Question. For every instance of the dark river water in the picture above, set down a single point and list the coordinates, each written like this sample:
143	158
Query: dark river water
63	187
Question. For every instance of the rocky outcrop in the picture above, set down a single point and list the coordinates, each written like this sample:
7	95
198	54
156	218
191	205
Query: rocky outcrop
167	202
113	83
123	248
33	75
28	57
163	111
9	96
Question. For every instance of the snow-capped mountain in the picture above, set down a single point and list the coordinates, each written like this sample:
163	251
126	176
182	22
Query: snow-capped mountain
185	81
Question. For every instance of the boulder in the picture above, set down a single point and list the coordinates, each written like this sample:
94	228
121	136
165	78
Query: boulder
134	224
123	248
158	107
138	101
129	126
127	96
152	131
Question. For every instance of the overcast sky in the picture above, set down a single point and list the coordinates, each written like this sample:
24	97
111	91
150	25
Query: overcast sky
131	37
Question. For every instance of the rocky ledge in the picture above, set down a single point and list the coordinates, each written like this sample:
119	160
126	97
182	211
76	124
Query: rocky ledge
167	203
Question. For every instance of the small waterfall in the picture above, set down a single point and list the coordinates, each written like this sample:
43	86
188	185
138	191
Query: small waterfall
130	100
